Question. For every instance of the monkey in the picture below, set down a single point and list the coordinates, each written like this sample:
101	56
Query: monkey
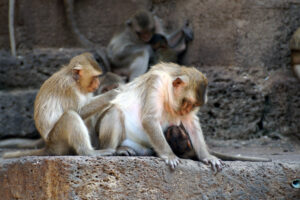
143	109
295	53
109	81
130	50
180	143
57	106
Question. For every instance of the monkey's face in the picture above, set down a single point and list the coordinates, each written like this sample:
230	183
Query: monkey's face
94	84
145	35
89	80
143	25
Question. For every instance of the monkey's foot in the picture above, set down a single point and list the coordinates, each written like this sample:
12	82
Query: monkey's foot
172	160
216	163
125	151
104	152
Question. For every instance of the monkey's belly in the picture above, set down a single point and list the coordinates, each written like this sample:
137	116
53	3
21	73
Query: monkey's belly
135	132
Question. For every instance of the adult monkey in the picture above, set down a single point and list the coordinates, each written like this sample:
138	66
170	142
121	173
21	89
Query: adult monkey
108	82
56	109
168	94
130	50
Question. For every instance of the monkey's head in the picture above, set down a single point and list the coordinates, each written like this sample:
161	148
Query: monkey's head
109	81
86	72
142	23
189	89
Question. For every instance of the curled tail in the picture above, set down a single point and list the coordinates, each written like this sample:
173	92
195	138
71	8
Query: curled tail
17	154
227	157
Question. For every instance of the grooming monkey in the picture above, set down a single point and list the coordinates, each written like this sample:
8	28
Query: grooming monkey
130	50
57	105
143	109
108	82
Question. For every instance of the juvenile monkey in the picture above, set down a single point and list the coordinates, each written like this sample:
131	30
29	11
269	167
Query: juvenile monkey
143	109
130	50
109	81
180	143
56	109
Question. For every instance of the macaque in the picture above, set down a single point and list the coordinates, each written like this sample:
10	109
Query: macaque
130	50
295	53
109	81
57	107
143	109
180	143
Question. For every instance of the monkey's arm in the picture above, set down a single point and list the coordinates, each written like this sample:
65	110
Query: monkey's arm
193	127
98	104
158	141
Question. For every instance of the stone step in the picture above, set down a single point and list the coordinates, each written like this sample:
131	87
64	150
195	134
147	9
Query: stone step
77	177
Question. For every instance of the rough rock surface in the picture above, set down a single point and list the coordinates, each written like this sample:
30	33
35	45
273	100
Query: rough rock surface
143	178
16	118
242	104
227	32
241	45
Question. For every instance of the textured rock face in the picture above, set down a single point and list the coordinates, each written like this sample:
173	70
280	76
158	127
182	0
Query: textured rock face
16	116
242	46
143	178
227	32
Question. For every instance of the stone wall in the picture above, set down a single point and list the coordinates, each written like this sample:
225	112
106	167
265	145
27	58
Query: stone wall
242	46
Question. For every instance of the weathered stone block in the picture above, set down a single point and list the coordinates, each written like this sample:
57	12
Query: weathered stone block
16	118
143	178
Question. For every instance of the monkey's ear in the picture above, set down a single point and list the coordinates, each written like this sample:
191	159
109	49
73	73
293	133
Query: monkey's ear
177	82
77	72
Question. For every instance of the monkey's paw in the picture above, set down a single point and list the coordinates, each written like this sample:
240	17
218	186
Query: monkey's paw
216	163
172	160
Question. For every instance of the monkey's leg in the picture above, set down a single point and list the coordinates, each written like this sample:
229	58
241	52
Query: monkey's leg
111	130
70	133
140	64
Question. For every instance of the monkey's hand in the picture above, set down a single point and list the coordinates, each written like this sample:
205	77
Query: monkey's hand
216	163
171	160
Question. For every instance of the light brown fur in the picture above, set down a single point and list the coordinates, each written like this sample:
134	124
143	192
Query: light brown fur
56	109
144	108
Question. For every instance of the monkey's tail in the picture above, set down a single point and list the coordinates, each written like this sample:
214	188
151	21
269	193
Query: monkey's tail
227	157
22	143
17	154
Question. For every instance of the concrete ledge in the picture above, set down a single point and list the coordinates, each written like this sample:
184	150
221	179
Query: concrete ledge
76	177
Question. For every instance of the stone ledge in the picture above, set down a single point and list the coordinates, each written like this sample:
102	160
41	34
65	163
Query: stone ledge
77	177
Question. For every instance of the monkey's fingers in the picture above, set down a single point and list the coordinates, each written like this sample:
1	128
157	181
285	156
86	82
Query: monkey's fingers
215	163
172	162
